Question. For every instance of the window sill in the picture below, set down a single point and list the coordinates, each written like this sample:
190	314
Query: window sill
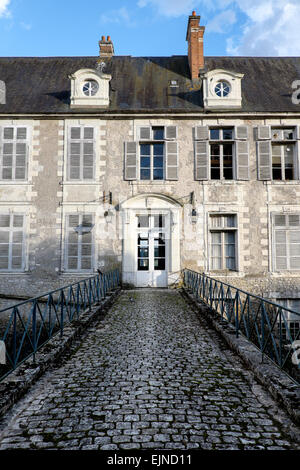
152	183
282	183
15	183
81	183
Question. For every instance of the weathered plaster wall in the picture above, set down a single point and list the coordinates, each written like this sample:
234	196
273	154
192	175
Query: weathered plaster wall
47	197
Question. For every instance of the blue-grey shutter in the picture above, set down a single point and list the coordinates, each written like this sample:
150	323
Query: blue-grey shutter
264	133
171	160
241	132
201	133
264	153
242	160
131	155
171	132
201	160
145	133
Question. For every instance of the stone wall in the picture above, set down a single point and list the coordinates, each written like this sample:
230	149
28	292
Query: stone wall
47	197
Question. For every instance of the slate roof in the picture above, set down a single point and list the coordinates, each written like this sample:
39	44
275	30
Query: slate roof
41	85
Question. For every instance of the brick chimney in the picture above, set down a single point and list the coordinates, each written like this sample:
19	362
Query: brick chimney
194	36
106	47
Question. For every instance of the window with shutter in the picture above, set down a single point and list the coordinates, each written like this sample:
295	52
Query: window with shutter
14	153
12	242
221	153
79	242
155	157
277	153
286	235
81	150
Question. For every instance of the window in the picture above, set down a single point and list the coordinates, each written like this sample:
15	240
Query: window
152	164
292	319
81	157
221	154
79	242
90	88
223	230
154	156
286	241
282	162
14	151
11	242
277	153
222	89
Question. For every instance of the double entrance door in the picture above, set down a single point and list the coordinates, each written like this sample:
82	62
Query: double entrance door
152	243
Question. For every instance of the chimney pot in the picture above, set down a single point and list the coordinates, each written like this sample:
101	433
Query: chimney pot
194	13
106	47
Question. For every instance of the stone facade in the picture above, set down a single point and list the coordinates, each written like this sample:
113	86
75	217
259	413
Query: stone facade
48	197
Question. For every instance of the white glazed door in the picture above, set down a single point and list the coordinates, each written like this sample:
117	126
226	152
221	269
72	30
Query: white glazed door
152	250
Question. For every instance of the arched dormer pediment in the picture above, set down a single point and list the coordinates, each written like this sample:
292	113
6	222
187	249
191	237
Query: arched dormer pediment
222	89
89	88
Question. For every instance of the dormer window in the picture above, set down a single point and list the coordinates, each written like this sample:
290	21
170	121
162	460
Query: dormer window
90	88
222	89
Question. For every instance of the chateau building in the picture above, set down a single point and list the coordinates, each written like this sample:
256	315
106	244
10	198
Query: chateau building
150	164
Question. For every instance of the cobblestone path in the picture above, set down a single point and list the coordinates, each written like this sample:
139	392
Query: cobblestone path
150	376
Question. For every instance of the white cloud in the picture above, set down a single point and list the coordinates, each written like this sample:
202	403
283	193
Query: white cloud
170	7
271	27
221	22
4	8
117	16
272	30
26	26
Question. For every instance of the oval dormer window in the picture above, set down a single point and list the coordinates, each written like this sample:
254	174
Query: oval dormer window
222	89
90	87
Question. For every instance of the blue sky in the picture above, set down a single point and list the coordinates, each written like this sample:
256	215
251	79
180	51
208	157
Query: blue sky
148	27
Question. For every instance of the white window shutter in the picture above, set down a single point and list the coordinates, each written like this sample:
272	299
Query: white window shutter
264	152
21	158
297	132
171	160
7	160
264	133
145	133
171	132
241	132
74	158
201	160
88	160
131	155
81	160
281	249
242	160
294	249
201	133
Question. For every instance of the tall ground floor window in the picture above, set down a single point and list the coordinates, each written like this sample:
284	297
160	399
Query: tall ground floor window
79	242
223	239
11	242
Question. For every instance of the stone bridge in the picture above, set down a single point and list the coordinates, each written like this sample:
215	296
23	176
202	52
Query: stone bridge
151	374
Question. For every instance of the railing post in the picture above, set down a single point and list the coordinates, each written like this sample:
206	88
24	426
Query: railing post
34	330
236	303
61	314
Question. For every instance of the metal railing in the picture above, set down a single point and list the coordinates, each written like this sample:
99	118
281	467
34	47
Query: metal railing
28	325
261	321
